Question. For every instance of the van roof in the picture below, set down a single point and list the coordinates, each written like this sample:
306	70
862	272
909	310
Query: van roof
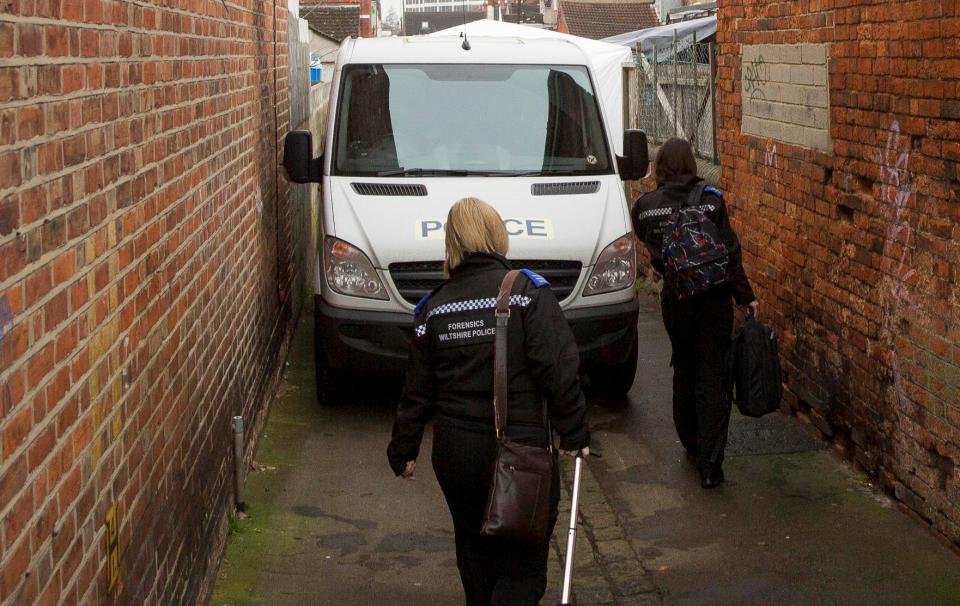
447	49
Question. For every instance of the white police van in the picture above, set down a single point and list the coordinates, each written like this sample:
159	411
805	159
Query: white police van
416	124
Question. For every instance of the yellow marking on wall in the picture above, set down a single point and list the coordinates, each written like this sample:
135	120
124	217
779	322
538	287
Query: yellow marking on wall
117	390
114	264
93	383
96	450
92	318
117	425
113	548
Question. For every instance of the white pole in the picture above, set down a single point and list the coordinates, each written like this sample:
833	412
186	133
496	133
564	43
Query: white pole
572	532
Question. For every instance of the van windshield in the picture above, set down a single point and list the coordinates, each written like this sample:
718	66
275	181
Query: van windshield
424	120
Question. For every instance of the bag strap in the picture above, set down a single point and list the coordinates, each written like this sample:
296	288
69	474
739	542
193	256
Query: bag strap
695	195
502	315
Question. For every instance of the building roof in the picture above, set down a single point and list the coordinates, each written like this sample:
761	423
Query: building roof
598	19
333	21
413	22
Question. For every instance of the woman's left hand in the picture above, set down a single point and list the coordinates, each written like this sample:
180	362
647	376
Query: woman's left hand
409	469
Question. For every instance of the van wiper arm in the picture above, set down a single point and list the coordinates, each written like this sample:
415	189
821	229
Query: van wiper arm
423	172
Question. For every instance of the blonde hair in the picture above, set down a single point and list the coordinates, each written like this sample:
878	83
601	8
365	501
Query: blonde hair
473	226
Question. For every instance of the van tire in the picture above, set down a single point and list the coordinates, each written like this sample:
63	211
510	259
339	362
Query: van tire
616	380
331	383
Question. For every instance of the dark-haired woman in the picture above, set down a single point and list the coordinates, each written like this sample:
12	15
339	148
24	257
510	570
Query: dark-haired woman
700	326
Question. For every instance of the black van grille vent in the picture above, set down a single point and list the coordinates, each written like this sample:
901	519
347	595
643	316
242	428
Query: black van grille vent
416	279
565	189
390	189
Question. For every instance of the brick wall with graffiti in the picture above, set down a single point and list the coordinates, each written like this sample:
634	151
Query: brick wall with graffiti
147	249
855	246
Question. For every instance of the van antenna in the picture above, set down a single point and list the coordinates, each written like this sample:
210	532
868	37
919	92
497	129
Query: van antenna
463	9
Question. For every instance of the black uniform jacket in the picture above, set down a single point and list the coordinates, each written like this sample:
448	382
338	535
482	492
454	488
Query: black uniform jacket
451	361
651	218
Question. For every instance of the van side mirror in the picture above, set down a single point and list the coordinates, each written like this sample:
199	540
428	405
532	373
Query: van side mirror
635	162
298	158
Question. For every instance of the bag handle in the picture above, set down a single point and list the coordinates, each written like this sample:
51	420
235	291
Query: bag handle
502	315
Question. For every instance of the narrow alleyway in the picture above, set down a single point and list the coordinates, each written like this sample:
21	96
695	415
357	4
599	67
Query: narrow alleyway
328	524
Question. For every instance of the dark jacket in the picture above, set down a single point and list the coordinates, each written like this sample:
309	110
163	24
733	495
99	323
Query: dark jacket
651	218
451	361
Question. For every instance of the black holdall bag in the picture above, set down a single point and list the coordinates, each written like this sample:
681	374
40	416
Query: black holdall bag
756	369
518	505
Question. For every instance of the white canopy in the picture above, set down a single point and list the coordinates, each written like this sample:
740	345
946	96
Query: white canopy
663	36
606	60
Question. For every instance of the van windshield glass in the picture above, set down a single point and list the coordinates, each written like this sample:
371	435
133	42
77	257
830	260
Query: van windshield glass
423	120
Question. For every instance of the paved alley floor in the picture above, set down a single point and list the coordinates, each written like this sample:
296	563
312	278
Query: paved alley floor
329	524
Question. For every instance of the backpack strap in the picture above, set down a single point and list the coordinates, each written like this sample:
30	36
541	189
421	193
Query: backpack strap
695	195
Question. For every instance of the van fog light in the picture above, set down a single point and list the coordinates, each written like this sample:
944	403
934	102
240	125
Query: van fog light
616	268
349	271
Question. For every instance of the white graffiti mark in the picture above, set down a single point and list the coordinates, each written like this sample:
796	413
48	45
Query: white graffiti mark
770	157
896	190
6	325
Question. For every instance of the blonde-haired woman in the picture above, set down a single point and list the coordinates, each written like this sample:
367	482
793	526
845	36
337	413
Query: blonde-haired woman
450	377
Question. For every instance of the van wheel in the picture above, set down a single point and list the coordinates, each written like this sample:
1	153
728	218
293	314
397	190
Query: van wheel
331	383
616	380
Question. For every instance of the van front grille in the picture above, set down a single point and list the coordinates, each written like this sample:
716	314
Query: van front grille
389	189
413	280
575	188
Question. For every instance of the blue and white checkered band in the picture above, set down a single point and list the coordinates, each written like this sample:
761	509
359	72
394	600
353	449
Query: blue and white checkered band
469	305
663	212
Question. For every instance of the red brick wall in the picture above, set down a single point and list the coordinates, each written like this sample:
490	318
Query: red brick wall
856	254
144	240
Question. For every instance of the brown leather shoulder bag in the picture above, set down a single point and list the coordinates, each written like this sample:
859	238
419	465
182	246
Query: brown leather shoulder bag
518	506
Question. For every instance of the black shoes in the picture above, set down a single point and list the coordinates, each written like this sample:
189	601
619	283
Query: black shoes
711	479
712	476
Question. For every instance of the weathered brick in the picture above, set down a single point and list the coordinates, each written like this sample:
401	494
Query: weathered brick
9	169
859	297
109	261
6	39
29	40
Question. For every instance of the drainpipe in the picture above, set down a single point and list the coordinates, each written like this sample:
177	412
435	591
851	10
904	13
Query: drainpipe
238	462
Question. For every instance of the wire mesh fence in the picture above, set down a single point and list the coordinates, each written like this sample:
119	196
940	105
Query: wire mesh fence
675	94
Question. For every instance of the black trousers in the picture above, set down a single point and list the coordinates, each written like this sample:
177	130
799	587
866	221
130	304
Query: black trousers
493	571
699	330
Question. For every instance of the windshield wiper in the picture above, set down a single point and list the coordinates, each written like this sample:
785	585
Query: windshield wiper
423	172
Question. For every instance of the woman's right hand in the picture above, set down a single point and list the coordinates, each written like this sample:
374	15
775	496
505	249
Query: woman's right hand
585	451
408	470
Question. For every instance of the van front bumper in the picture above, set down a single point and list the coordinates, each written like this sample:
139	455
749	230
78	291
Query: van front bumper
373	340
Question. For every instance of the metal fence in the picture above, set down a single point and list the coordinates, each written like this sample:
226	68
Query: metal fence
675	94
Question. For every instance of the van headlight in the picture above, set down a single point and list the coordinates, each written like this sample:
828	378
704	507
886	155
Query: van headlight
616	268
349	271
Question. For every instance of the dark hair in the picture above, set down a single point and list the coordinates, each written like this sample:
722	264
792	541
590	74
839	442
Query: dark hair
675	159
